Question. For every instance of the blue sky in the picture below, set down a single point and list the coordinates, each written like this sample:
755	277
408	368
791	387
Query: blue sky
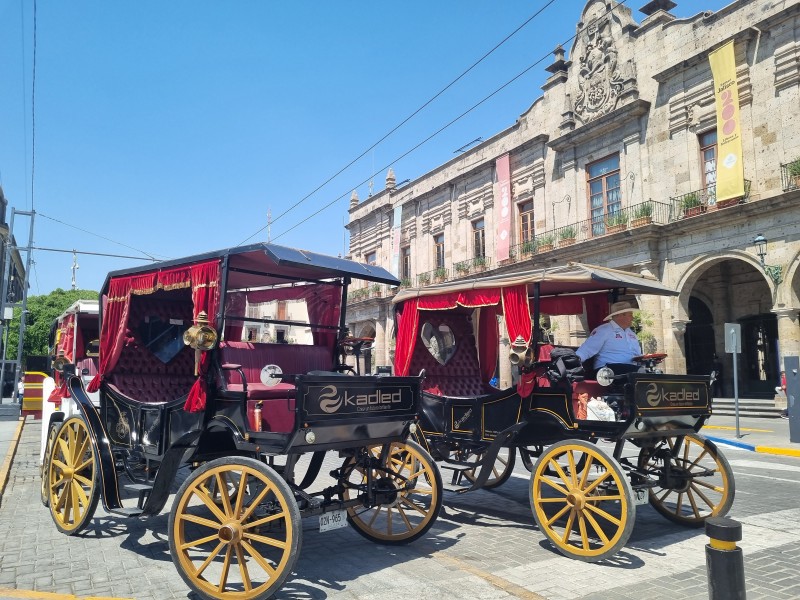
171	128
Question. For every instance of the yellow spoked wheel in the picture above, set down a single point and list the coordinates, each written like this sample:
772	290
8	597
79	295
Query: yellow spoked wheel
406	490
582	500
240	544
44	468
71	486
501	470
695	480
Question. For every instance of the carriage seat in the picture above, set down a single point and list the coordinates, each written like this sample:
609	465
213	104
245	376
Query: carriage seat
141	376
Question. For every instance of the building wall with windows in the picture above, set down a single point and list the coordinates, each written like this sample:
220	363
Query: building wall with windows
615	164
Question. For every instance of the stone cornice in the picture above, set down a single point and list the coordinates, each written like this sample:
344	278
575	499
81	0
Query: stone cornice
600	126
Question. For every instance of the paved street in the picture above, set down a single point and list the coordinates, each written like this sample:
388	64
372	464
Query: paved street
484	545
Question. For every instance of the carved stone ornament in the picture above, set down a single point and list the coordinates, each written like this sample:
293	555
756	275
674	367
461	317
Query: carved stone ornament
600	80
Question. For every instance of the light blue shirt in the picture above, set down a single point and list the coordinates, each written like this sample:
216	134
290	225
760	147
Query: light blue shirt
610	343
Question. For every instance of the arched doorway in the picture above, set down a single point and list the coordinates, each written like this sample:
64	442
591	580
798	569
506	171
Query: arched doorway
760	354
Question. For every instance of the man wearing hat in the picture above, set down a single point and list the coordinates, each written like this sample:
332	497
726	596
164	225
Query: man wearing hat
613	343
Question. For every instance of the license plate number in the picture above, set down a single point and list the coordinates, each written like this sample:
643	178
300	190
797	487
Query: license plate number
332	520
640	497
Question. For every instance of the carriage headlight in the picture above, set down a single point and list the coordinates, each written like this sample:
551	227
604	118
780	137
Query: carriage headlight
605	376
311	437
412	429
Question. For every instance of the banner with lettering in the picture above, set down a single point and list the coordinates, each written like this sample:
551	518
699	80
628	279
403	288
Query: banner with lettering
502	208
396	223
730	166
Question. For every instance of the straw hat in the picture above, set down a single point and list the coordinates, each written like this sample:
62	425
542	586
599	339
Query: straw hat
620	307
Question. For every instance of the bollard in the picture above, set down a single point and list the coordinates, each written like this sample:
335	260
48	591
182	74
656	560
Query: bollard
724	561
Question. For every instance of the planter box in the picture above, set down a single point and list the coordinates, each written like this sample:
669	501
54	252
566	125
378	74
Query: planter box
545	247
727	203
616	228
566	242
694	211
640	221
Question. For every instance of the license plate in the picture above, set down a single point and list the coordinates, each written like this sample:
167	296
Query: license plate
640	497
332	520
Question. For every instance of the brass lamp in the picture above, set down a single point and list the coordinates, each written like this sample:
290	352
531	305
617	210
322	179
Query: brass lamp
200	336
519	348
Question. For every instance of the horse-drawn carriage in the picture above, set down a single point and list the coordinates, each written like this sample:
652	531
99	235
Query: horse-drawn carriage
583	494
226	364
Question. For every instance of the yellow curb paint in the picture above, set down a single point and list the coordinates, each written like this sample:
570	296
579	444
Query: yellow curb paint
728	428
502	584
779	451
12	450
50	596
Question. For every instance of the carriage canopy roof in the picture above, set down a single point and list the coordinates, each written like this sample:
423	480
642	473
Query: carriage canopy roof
573	278
248	264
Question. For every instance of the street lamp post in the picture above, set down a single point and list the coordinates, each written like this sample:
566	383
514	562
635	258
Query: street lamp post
775	272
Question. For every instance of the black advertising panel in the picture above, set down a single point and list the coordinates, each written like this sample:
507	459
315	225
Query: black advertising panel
355	398
667	394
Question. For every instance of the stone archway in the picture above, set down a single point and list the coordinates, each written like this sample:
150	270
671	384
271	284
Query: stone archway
366	363
730	289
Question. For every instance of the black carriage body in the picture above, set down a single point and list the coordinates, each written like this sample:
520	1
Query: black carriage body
143	409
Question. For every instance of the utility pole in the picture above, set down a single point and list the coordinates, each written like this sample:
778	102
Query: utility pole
4	299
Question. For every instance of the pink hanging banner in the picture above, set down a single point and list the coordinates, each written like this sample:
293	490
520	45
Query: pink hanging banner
502	207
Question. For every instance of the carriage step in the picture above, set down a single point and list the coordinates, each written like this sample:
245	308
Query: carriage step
458	489
127	512
143	489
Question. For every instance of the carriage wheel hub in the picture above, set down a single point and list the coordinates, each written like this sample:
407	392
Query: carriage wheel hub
679	479
68	472
576	499
231	533
386	492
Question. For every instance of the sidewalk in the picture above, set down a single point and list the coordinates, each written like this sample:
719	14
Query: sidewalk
769	436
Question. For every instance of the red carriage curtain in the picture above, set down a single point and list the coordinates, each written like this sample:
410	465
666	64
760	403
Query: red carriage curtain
517	312
407	321
204	281
67	340
488	340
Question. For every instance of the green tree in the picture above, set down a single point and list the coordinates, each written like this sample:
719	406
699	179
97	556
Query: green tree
42	312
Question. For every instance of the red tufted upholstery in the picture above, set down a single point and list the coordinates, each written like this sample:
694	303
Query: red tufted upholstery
139	374
460	377
278	402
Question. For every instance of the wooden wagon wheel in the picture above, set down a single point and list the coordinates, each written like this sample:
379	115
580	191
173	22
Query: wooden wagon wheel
695	479
408	487
582	500
242	544
72	482
52	432
501	470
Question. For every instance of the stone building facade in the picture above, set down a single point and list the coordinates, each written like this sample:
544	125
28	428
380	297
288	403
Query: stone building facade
615	164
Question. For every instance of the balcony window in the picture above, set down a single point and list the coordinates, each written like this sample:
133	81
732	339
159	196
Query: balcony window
371	258
478	239
708	161
438	250
605	196
525	221
405	262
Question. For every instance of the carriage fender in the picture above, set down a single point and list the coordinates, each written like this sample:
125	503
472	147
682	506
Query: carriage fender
173	459
492	451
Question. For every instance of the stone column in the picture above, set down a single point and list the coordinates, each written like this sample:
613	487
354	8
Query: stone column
676	349
788	332
654	309
379	347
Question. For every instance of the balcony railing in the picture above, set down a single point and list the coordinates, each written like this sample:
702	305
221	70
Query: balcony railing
699	201
790	176
435	276
472	265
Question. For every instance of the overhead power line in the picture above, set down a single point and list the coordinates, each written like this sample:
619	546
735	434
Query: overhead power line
437	132
404	121
86	252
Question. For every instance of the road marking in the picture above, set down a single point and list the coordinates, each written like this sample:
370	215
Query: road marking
767	477
498	582
729	428
50	596
762	466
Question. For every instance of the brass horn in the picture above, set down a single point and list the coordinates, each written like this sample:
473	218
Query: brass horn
518	350
60	362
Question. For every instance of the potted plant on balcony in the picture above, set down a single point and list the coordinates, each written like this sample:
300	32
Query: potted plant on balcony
794	173
642	215
528	247
405	282
462	268
376	290
566	237
616	222
692	205
479	262
440	274
544	243
424	278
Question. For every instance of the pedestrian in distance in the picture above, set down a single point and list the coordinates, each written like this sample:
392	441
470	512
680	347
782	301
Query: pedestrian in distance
781	390
21	388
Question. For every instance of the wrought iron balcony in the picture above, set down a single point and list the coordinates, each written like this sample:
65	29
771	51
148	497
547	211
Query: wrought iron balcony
790	176
472	265
702	200
435	276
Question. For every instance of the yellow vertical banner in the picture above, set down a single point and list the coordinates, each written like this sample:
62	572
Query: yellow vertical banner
730	166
